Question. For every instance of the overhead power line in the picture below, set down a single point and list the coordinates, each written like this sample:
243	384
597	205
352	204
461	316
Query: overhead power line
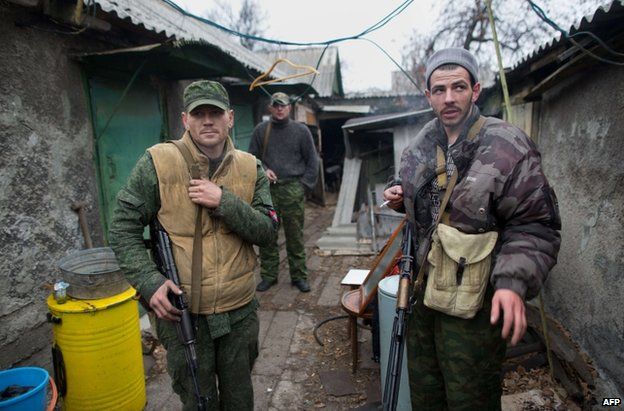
571	37
370	29
381	23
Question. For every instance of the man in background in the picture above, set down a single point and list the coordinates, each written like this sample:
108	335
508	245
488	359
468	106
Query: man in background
291	163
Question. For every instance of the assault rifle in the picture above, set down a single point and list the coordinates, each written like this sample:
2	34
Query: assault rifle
163	257
399	328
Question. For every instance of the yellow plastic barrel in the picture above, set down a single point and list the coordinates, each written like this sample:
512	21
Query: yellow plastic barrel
97	353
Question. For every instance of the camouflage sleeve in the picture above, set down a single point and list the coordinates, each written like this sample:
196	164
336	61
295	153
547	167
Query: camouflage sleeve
138	203
257	222
529	240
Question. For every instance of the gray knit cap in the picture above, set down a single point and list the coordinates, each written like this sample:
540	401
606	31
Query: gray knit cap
453	55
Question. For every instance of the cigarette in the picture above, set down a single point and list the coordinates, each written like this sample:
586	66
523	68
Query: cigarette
385	203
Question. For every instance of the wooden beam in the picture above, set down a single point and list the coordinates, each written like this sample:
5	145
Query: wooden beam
524	349
576	64
66	12
566	70
560	344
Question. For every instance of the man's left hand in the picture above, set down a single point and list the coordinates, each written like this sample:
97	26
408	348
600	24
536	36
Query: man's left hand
205	193
513	314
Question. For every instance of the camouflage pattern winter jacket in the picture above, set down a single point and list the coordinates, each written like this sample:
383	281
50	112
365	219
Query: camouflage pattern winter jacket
500	187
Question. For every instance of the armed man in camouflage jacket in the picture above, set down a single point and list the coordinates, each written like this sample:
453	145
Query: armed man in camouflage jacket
237	212
454	363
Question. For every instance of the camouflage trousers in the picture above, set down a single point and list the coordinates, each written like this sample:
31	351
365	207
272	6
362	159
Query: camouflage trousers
454	364
225	362
288	200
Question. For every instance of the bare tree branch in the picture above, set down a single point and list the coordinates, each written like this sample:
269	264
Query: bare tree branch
464	23
249	20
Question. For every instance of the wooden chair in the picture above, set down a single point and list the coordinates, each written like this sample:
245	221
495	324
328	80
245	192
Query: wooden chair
356	302
351	302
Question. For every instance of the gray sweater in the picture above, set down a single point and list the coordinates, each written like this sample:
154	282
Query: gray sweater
290	152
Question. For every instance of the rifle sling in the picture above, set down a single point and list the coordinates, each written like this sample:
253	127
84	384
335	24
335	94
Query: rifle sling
197	257
441	163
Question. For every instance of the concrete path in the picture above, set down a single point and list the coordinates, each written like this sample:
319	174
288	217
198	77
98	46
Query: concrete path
286	373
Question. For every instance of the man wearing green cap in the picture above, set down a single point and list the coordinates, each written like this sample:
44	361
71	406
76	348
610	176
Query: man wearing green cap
291	163
230	190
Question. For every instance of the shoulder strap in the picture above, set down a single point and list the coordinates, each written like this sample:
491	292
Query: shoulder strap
265	142
441	158
472	133
476	128
188	157
196	267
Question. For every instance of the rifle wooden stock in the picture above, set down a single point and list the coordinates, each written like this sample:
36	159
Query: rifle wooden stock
403	293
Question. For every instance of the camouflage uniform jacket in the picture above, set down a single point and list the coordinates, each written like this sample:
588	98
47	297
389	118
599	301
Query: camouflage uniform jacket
500	187
138	203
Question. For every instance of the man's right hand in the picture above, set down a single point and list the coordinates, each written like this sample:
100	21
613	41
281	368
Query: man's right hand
394	195
271	175
160	302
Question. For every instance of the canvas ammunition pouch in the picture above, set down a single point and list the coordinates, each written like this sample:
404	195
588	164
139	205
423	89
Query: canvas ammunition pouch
458	264
459	270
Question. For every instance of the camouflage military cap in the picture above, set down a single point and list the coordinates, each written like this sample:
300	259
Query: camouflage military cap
205	92
280	98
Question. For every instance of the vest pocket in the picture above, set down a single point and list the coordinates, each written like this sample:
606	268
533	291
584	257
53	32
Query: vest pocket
459	268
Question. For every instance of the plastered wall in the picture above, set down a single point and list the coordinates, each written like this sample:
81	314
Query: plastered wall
46	164
581	131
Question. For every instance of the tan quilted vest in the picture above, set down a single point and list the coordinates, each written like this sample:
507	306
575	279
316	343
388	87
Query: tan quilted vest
228	261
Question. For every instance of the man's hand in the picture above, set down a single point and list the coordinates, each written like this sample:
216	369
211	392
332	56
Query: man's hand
205	193
395	195
271	176
160	302
513	314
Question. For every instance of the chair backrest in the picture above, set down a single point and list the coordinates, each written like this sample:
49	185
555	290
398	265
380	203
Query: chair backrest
381	267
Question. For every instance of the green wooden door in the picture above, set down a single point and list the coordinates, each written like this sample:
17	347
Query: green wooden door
243	126
123	129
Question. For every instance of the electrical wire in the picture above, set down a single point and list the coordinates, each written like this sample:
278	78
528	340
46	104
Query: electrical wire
410	78
385	20
379	24
570	37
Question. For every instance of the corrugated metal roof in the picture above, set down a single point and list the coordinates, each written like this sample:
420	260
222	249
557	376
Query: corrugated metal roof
159	17
587	23
329	67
